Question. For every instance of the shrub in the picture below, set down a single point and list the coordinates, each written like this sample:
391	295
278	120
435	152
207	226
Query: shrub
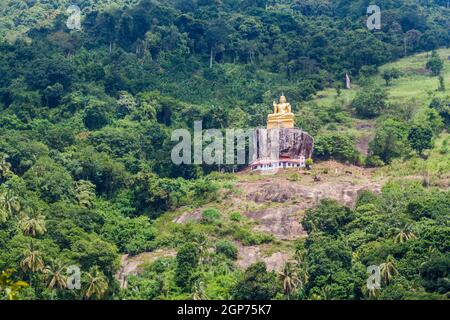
337	146
435	64
328	217
370	102
235	216
210	215
309	162
227	248
374	161
420	137
388	75
390	141
257	284
249	238
187	262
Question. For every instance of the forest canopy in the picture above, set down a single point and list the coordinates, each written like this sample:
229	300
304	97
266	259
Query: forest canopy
86	118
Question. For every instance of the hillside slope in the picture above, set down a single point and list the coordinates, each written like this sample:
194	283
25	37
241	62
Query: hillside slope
262	214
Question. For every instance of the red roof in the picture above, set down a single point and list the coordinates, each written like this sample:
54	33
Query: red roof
276	161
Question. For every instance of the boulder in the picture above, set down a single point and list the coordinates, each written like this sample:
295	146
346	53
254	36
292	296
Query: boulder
281	143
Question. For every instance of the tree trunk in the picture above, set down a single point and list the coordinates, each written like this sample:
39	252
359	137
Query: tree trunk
404	45
211	57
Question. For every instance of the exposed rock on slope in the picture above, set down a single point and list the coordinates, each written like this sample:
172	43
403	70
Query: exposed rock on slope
282	222
271	144
276	204
309	195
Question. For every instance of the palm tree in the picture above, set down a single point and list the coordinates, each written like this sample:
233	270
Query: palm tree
299	254
326	293
97	285
303	275
374	292
32	260
10	287
290	278
9	204
198	291
56	276
32	224
85	193
3	215
388	269
5	168
203	246
404	233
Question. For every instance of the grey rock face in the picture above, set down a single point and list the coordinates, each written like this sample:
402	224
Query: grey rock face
282	222
274	144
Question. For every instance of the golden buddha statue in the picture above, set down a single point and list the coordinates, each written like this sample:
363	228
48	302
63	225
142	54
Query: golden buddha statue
282	116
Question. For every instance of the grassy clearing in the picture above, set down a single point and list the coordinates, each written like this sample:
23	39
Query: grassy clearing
434	167
416	85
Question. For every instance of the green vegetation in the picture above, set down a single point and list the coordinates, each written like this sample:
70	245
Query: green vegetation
86	118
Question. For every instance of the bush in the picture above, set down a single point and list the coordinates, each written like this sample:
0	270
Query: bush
210	215
257	284
131	235
249	238
420	138
294	177
336	146
390	141
227	248
374	161
235	216
435	64
388	75
328	217
187	262
369	103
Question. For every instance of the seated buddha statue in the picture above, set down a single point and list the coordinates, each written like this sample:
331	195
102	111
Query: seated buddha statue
282	116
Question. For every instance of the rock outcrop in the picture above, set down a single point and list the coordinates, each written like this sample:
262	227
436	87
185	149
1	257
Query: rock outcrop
282	222
274	144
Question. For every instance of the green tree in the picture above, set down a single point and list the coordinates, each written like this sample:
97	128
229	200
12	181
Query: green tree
328	217
441	84
56	277
388	269
96	284
85	193
390	141
198	291
32	223
404	233
227	248
336	146
256	284
435	64
187	262
290	278
10	288
9	204
32	261
370	102
50	180
5	168
420	138
388	75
